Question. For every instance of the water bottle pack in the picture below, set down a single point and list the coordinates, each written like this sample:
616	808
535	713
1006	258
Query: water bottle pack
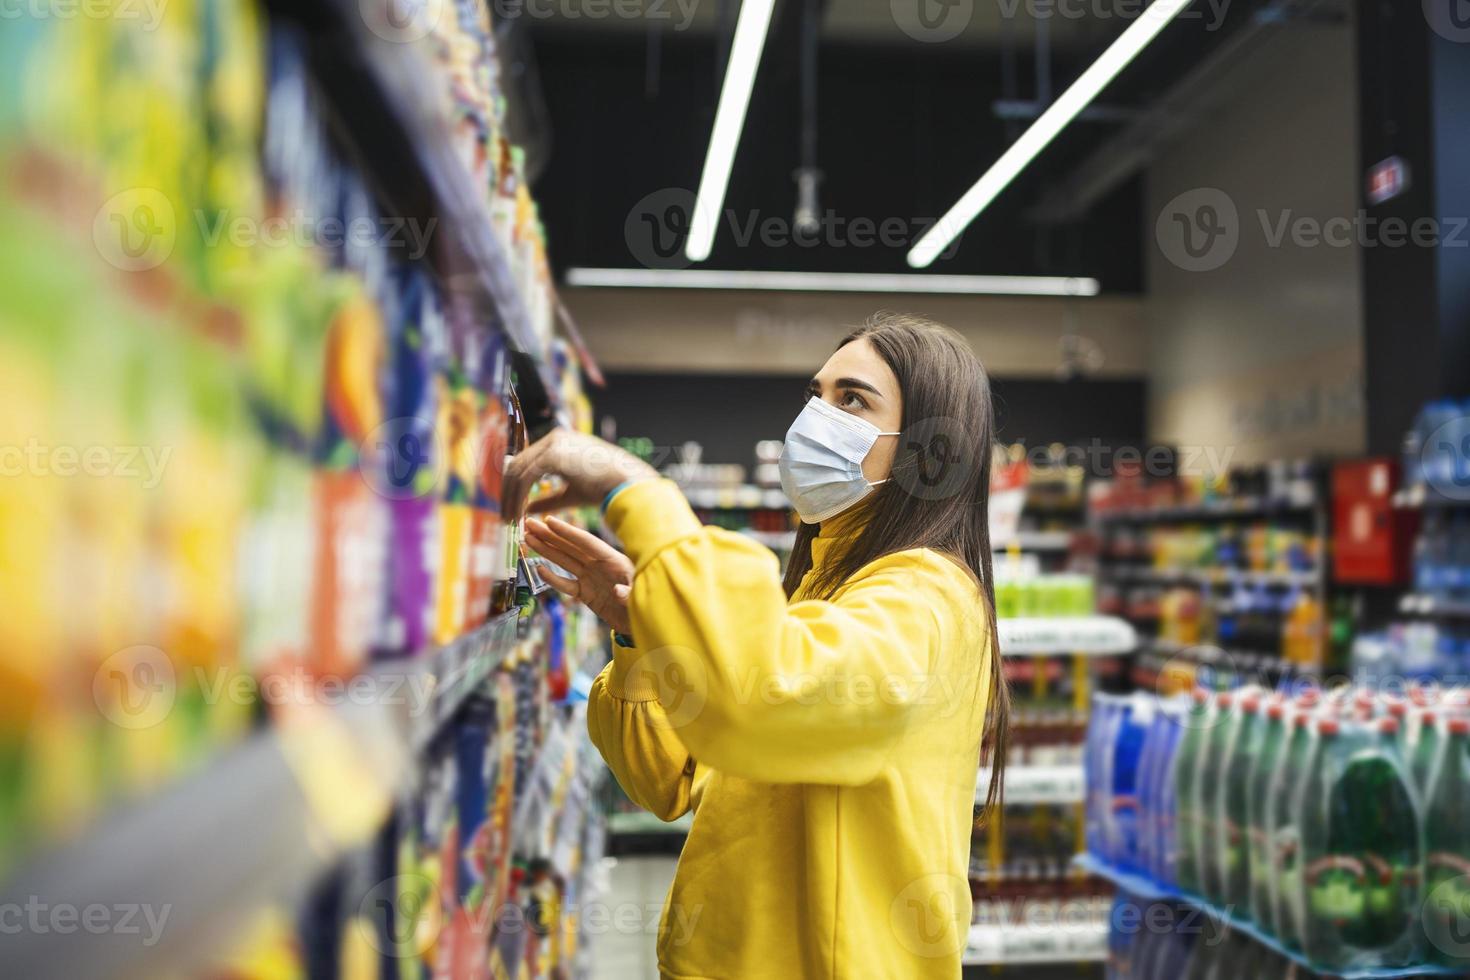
1336	826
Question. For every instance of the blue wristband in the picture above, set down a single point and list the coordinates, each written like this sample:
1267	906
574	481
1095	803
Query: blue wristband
607	501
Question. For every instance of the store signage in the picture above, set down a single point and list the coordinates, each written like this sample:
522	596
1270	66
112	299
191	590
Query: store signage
1387	180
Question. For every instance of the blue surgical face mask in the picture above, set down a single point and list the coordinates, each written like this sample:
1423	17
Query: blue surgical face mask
822	461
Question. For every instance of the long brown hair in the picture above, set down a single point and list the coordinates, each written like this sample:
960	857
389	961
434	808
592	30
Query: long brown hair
939	493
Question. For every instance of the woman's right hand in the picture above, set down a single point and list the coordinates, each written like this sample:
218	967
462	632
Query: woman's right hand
604	575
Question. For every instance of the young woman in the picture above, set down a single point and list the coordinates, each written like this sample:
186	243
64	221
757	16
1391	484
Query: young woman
826	732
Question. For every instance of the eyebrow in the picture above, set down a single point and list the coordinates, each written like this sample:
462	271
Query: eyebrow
857	383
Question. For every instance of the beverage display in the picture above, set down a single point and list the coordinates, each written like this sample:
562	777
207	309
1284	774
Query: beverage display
1446	795
1302	818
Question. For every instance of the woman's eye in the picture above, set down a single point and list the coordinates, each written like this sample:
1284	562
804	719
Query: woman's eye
853	400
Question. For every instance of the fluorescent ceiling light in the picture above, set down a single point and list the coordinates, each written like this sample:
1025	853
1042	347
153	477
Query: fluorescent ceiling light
745	58
1045	129
833	282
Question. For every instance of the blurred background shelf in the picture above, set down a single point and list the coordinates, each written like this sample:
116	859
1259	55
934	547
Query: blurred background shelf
1082	635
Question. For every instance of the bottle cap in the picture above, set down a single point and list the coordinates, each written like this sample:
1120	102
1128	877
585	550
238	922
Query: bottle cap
1328	726
1201	696
1251	703
1309	698
1459	726
1276	711
1397	707
1388	726
1224	699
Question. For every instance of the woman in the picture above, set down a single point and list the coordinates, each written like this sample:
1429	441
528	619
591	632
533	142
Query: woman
826	733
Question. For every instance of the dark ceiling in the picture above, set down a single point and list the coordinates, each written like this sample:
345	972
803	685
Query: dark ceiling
904	128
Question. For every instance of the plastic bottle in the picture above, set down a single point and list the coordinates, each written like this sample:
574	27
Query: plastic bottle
1424	756
1148	769
1246	736
1100	733
1207	796
1120	823
1447	850
1274	733
1166	850
1187	760
1283	836
1361	849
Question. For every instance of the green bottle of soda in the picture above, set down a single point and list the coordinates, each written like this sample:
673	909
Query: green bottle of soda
1423	757
1361	849
1208	797
1257	907
1245	746
1283	835
1186	778
1446	921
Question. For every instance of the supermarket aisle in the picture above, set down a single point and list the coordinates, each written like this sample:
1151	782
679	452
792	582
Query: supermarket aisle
639	882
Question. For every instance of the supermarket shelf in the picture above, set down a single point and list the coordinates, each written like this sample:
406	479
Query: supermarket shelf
1213	576
1150	890
775	540
1036	945
745	496
1422	497
1234	509
1037	785
1086	635
1439	607
266	819
256	798
647	823
1037	541
455	671
383	108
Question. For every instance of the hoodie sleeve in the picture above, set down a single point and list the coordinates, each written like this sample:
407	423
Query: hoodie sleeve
814	691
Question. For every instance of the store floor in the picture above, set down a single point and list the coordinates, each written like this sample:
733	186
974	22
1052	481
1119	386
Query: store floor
638	882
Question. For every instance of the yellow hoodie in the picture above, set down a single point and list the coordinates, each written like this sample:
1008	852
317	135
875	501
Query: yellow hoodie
837	747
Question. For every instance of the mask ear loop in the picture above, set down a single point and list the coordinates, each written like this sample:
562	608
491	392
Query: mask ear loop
886	479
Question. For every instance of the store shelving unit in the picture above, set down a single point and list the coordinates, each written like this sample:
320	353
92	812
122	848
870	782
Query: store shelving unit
383	115
1148	890
1038	786
1083	636
1023	944
258	825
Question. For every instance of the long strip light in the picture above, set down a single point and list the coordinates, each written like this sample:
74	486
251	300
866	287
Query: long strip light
832	282
1050	123
745	58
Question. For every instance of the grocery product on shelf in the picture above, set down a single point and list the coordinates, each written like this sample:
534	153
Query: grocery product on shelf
1300	821
324	418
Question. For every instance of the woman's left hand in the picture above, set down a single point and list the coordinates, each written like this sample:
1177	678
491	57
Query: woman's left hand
604	575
